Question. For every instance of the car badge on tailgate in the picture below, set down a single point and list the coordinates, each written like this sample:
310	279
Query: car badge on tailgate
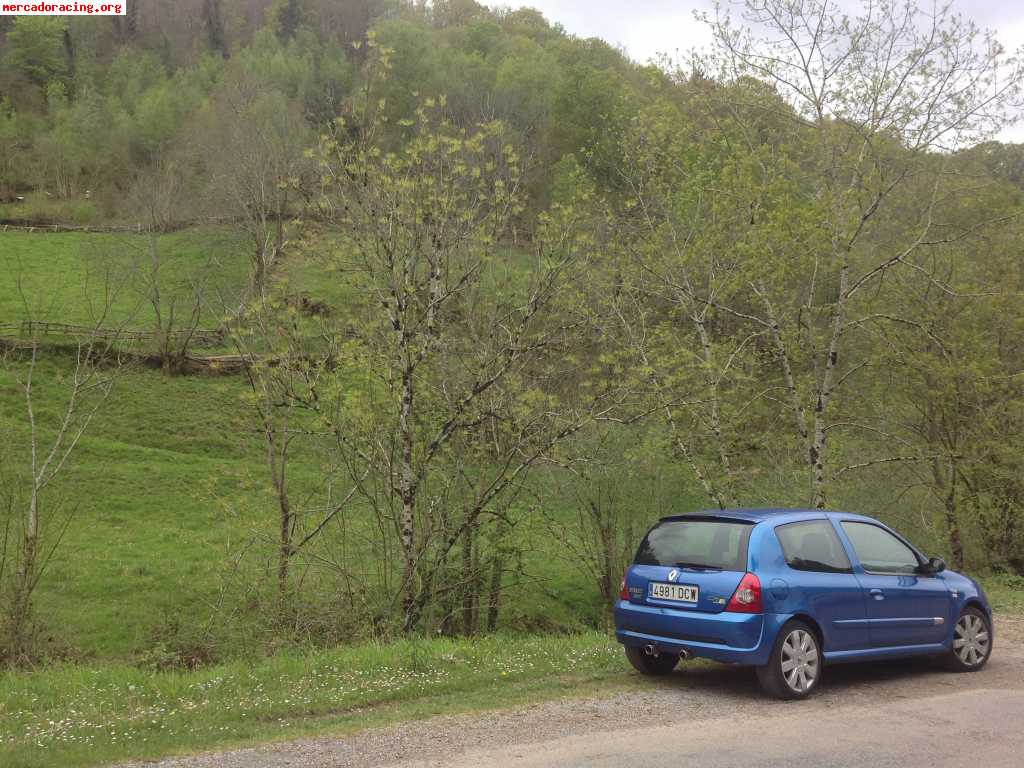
673	574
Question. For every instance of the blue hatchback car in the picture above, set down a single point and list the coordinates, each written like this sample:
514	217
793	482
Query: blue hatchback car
787	591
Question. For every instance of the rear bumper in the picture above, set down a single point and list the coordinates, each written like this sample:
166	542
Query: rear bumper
735	638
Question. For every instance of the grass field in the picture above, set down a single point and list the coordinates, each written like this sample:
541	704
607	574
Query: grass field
164	486
170	480
1005	593
73	278
81	716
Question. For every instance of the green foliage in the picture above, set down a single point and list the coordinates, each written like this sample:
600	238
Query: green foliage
15	141
35	49
287	16
130	75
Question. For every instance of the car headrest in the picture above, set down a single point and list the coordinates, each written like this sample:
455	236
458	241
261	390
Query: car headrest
818	546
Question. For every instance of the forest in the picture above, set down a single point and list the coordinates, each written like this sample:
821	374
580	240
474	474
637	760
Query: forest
328	321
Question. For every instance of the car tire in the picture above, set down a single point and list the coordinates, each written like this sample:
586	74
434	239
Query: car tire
972	641
794	668
662	664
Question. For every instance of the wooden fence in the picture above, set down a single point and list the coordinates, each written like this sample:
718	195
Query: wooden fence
34	329
43	227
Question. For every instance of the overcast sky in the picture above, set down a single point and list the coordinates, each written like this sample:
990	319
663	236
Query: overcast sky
646	28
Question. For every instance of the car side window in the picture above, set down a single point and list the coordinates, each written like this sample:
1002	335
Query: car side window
879	551
813	546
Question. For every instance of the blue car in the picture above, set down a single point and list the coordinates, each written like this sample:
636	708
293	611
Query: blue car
787	591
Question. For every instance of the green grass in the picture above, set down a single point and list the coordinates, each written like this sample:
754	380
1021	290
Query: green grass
74	278
80	716
38	208
145	537
168	484
1005	593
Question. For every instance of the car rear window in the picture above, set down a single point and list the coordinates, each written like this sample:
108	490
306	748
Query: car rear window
708	542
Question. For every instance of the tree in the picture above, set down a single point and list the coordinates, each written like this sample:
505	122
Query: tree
959	361
177	290
286	367
614	495
685	225
253	145
15	142
35	49
288	16
866	100
461	344
213	23
87	147
36	510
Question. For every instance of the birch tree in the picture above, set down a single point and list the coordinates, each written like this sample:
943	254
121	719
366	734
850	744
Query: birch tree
870	99
461	333
38	513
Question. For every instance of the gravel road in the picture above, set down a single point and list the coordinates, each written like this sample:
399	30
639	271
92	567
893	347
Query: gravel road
878	715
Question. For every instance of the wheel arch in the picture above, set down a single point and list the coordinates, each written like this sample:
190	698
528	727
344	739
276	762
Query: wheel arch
810	621
976	602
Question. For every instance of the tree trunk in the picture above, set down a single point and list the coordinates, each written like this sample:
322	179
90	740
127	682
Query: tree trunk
161	335
609	587
470	580
816	453
787	369
467	581
956	547
259	268
214	23
21	598
497	573
407	491
279	236
278	469
285	551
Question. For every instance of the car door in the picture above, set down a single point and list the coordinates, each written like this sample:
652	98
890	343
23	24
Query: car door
825	582
903	607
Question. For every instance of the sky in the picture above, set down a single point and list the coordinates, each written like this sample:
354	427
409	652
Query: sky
647	28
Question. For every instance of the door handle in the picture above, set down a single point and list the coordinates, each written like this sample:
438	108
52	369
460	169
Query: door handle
877	594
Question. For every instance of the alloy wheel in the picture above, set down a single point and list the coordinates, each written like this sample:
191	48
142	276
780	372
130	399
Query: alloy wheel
971	639
800	660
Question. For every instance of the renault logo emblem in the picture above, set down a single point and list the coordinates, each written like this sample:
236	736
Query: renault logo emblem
672	574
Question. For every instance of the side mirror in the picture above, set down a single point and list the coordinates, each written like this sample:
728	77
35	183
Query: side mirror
934	565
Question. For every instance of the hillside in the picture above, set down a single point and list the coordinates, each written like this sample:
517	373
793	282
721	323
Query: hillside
494	298
168	489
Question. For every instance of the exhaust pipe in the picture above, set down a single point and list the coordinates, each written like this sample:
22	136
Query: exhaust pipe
652	650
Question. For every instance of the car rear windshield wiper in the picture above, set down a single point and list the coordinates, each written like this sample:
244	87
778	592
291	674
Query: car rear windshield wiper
698	565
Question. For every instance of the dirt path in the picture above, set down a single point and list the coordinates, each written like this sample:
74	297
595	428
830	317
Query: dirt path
881	714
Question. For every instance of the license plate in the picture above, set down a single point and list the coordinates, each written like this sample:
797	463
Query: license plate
681	593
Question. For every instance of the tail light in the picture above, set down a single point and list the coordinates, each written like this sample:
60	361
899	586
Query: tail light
623	590
747	597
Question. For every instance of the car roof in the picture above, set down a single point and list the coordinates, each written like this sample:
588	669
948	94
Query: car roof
774	514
